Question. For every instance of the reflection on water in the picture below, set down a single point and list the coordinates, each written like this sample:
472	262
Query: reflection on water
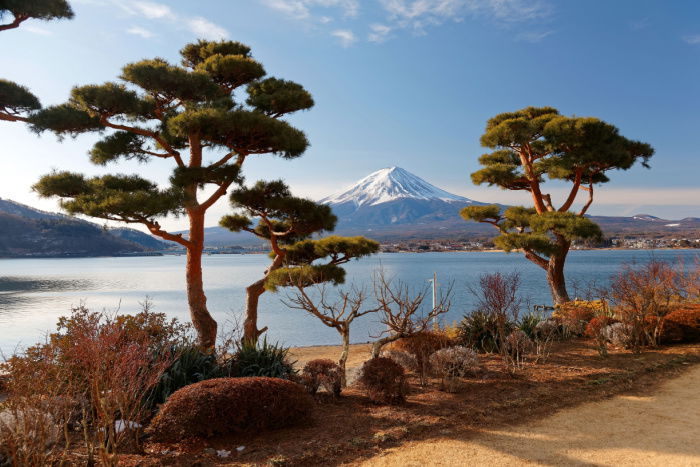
34	293
12	284
16	293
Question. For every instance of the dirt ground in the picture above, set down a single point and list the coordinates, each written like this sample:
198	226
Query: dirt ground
534	416
658	428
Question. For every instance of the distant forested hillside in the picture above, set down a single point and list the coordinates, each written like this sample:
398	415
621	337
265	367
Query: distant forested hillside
29	232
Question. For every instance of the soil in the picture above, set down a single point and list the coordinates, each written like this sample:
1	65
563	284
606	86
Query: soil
493	414
659	427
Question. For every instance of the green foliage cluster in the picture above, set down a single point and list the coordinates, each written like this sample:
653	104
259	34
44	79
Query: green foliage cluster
525	229
560	147
38	9
164	110
261	359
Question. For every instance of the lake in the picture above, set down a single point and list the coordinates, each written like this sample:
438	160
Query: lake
35	292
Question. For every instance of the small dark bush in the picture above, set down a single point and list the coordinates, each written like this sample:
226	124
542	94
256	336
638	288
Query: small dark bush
383	380
261	359
230	405
682	325
322	373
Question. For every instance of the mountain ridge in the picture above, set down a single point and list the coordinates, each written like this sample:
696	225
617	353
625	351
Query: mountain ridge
29	232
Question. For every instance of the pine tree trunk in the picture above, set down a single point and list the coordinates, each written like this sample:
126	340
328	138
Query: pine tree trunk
250	325
252	298
345	333
555	278
203	323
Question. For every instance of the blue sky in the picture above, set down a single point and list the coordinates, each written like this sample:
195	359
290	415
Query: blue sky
397	82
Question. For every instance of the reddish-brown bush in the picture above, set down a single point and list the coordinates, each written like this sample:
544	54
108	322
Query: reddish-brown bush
576	315
322	373
682	325
383	380
230	405
596	327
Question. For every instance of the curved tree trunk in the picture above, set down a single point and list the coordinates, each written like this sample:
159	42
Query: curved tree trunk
252	298
250	325
197	301
555	278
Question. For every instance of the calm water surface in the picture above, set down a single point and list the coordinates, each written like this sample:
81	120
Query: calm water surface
35	292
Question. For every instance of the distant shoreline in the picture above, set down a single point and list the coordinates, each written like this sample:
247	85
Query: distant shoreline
165	254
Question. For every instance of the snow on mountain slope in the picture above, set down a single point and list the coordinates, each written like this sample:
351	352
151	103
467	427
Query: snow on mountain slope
391	184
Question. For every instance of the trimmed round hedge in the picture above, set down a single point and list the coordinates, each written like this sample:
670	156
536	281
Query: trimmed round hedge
230	405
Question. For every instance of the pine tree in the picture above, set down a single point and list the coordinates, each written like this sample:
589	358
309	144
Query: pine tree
534	143
287	222
191	115
16	101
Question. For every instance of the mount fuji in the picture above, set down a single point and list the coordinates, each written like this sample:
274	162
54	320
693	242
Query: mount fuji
393	201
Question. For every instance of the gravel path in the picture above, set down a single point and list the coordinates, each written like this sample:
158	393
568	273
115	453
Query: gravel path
660	428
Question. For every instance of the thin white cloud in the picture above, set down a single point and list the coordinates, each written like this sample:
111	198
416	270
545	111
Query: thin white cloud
206	29
533	36
419	14
153	10
139	31
345	36
693	39
303	9
378	32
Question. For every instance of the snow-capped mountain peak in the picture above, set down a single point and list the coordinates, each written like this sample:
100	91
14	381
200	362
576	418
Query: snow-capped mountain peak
391	184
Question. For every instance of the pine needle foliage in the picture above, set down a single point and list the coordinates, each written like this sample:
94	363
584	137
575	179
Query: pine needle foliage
536	144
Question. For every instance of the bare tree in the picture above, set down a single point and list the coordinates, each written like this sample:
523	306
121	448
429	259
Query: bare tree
400	310
338	314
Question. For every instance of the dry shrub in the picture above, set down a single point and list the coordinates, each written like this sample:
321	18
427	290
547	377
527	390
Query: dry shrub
597	329
94	374
451	364
497	310
322	373
682	325
643	296
407	360
517	347
574	316
383	380
230	405
421	346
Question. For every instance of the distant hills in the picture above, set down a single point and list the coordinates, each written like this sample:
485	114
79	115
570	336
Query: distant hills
389	205
29	232
393	204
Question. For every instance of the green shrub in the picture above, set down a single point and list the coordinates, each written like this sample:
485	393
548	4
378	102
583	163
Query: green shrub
190	365
230	405
383	380
262	359
528	324
481	331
